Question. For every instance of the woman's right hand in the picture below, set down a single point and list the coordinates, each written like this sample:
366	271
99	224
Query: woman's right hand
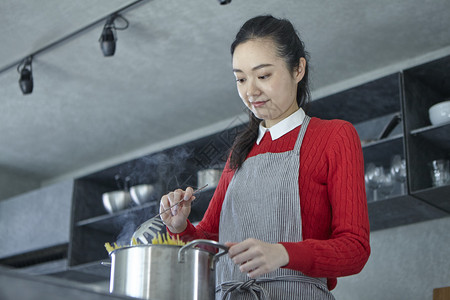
175	218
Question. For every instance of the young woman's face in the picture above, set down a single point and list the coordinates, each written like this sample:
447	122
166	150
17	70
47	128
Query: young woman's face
264	82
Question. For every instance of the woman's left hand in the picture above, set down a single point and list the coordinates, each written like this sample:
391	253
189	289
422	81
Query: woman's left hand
257	258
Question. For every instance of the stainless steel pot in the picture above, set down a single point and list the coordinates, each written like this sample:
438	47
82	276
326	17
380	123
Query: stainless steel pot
160	272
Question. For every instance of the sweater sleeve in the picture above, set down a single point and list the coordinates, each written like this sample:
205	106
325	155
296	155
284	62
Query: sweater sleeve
347	249
208	228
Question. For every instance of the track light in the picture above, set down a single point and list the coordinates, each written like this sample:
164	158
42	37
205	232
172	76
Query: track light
26	75
223	2
108	38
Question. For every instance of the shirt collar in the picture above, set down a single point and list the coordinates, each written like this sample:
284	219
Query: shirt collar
282	127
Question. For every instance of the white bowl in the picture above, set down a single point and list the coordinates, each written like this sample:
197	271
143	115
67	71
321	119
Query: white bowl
440	113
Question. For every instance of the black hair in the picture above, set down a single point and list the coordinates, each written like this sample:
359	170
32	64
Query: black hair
290	47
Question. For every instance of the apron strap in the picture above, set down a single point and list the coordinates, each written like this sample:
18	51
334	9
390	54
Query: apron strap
252	286
298	143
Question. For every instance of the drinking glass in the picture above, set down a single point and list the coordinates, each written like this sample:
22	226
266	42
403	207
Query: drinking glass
386	184
374	177
440	172
398	170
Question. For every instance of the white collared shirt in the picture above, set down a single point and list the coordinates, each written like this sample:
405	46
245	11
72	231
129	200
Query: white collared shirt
282	127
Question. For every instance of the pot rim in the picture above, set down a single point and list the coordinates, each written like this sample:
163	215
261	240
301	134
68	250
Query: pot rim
187	245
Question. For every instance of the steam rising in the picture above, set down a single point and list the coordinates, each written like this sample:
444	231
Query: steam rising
169	168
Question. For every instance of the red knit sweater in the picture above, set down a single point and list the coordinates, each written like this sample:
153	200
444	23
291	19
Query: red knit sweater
335	223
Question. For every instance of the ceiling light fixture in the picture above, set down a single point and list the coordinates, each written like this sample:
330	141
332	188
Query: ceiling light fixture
108	38
223	2
26	75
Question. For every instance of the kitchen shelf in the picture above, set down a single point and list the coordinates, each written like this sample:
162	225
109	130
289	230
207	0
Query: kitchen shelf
400	210
110	218
436	134
90	235
108	222
113	223
373	144
424	86
437	196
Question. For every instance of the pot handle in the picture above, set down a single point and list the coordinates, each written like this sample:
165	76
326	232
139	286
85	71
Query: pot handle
203	242
106	263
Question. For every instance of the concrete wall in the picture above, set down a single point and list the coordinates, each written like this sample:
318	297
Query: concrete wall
407	262
36	220
13	183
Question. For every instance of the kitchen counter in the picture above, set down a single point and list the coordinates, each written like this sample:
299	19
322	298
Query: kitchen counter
16	285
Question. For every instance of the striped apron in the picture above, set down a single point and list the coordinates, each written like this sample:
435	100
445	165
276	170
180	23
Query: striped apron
263	202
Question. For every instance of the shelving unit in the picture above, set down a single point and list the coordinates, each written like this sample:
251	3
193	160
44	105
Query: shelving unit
169	169
425	86
400	210
369	107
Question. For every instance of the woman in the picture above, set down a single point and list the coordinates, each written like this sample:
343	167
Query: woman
291	201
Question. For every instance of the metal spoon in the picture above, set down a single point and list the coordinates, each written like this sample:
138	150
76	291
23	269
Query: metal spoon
149	229
167	209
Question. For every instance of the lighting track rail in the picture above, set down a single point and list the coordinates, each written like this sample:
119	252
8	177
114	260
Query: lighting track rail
72	35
